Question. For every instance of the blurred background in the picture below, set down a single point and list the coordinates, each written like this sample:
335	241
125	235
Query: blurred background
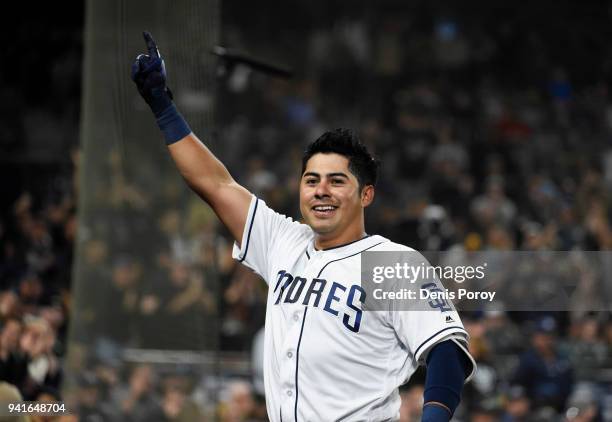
118	294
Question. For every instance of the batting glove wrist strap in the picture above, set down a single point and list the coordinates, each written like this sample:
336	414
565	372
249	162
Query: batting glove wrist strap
173	125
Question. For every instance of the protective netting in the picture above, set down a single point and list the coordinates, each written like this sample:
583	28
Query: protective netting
145	285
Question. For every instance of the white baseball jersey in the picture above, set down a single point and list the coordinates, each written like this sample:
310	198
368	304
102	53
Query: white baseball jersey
325	359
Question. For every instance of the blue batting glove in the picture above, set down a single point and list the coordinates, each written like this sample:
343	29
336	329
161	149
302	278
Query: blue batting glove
149	74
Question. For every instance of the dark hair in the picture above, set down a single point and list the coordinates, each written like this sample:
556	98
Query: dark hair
344	142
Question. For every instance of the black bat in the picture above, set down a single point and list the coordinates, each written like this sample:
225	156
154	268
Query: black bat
232	57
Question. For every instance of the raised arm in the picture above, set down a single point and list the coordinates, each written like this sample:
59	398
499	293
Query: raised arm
202	171
209	178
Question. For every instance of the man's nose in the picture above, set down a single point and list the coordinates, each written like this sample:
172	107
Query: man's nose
322	190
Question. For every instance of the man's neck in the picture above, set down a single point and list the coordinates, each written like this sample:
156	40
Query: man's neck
322	242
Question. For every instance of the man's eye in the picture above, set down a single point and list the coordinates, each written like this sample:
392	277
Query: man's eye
310	181
337	181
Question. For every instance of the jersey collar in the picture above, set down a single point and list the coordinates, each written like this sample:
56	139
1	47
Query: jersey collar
355	246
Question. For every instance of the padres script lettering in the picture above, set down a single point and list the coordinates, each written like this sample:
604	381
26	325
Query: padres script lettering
290	289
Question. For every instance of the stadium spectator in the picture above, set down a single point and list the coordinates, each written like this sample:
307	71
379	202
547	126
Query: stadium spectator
516	405
138	402
546	375
237	402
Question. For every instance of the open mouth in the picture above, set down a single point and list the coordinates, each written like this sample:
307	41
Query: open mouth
324	210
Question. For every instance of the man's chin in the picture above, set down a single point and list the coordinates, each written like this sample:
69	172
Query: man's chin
321	229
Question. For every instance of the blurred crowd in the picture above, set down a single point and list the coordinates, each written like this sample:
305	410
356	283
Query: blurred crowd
494	133
37	246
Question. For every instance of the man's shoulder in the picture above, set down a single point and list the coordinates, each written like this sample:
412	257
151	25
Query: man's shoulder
290	222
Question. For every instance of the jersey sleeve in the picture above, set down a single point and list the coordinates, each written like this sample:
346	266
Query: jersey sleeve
264	232
424	326
420	330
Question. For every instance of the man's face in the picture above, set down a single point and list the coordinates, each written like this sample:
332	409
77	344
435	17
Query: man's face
330	200
9	339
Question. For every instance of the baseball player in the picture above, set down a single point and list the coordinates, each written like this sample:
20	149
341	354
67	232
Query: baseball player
325	359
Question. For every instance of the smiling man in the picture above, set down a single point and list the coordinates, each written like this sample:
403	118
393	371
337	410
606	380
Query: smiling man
335	189
325	357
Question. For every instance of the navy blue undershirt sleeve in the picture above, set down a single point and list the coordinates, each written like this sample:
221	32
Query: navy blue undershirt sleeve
447	369
435	413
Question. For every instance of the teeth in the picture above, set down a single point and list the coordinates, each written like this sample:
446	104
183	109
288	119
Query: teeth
324	208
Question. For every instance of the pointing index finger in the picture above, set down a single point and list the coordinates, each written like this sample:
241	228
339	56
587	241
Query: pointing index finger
151	46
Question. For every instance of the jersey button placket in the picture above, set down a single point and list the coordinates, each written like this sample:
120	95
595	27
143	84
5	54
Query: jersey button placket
288	366
288	362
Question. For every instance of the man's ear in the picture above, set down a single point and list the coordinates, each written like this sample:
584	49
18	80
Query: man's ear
367	195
